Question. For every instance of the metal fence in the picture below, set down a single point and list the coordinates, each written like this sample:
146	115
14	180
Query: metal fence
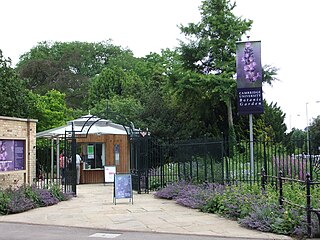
293	159
56	170
155	162
307	185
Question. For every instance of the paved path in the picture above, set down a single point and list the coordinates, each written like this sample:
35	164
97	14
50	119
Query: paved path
94	208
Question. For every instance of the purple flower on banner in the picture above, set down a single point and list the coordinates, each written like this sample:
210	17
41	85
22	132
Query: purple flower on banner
250	64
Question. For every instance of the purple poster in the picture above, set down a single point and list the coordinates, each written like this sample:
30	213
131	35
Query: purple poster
11	155
249	77
18	155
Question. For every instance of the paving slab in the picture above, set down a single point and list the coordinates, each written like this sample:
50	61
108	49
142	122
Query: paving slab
94	208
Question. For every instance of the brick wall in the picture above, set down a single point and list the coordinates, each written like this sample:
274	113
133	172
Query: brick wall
19	129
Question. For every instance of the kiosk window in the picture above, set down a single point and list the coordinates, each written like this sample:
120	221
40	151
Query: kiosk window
95	156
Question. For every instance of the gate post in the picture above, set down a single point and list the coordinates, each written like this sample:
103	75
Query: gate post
73	162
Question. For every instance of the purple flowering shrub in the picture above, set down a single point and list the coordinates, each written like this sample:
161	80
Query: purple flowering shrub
45	197
196	196
171	191
235	202
189	194
271	218
23	198
249	205
18	201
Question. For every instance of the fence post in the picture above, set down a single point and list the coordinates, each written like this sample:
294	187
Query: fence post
265	157
263	182
308	208
280	189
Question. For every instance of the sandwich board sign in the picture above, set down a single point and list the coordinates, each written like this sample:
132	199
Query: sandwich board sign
122	187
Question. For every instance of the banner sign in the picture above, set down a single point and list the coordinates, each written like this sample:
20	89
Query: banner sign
249	77
12	155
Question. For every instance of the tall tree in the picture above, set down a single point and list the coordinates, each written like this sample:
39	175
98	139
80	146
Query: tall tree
211	46
14	101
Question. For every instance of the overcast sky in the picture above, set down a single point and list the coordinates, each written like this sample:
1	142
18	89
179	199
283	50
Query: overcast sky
288	30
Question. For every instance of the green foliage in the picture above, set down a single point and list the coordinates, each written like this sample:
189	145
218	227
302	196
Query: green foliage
235	202
50	110
210	49
13	93
212	41
273	122
314	129
66	67
55	190
182	93
267	126
4	200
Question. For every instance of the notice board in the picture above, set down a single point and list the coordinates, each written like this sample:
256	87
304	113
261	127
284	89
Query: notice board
109	172
122	187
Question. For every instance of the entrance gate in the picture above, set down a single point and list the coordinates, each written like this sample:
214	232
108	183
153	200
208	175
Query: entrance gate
156	163
54	168
69	173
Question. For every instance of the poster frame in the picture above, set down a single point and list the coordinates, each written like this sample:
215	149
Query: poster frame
122	187
109	172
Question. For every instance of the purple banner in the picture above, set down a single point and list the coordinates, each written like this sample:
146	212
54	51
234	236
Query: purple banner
12	155
249	77
18	155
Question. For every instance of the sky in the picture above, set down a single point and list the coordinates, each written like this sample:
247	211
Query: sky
287	29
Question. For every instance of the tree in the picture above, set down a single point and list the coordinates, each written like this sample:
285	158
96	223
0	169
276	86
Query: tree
314	129
211	47
13	92
273	122
50	109
66	67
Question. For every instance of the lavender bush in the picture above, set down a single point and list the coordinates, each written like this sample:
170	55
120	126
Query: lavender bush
18	202
249	205
24	198
171	191
196	196
189	194
45	197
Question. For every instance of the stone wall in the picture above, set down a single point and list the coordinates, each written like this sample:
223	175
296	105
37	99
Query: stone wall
19	129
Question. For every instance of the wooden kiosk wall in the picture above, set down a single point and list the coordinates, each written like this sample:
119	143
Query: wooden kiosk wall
97	175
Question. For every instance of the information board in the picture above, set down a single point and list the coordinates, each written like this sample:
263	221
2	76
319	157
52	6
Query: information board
123	187
12	155
109	172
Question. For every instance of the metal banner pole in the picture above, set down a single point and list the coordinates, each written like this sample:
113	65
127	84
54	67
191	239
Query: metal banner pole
251	143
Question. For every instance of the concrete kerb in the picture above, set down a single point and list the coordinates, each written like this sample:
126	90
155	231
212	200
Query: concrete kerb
94	208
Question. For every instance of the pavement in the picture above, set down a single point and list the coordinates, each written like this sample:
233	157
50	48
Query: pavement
94	208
